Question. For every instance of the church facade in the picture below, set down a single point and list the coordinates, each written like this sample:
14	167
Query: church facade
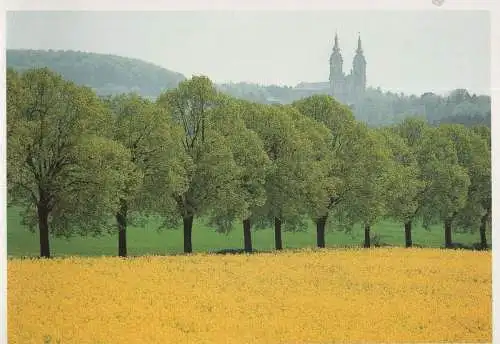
347	88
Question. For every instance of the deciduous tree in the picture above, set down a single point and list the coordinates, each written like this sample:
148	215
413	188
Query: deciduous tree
252	161
156	153
332	185
447	181
481	193
369	188
407	204
288	150
63	171
405	185
473	155
213	176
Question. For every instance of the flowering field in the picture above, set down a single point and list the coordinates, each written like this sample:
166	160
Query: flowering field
383	295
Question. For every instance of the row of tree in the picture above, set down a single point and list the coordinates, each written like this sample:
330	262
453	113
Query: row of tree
80	164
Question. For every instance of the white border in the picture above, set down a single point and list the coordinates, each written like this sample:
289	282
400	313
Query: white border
145	5
3	194
495	146
129	5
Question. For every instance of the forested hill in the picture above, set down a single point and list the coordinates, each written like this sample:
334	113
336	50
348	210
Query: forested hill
106	74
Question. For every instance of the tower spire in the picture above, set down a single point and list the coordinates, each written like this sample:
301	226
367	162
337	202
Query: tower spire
336	45
360	49
337	82
359	72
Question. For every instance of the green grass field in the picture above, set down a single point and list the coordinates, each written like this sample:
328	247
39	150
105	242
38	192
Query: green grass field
142	241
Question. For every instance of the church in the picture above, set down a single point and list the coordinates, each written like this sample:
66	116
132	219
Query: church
346	88
350	88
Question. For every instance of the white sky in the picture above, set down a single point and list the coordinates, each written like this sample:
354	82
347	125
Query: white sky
408	51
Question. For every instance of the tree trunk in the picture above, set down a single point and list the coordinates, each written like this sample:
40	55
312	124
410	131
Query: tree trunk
121	219
408	241
277	234
447	234
247	235
188	230
320	231
482	232
43	227
367	236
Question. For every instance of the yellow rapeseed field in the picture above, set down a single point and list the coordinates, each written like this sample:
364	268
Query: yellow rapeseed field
374	295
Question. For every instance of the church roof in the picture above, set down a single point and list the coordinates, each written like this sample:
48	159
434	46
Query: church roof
313	85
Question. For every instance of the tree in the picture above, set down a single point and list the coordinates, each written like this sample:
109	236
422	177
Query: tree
370	187
157	156
14	99
473	155
407	204
458	96
481	194
315	167
431	103
288	150
447	182
60	168
212	177
404	182
333	185
253	164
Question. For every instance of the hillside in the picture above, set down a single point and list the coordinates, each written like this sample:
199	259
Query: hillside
106	74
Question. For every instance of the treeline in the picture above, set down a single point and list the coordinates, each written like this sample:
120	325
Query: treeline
81	164
459	107
379	108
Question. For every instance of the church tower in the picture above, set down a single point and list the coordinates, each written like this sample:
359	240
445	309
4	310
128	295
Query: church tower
359	72
337	78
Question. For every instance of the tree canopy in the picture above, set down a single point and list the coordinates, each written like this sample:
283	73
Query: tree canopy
61	167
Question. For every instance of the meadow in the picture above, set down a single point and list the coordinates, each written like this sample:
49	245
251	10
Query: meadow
148	241
307	296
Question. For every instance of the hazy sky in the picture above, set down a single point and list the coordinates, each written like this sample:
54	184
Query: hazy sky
410	51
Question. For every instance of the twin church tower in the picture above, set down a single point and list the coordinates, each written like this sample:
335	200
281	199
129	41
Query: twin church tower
347	88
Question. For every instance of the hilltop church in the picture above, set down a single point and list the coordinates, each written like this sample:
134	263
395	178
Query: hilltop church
346	88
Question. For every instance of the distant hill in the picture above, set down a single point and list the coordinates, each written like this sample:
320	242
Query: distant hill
106	74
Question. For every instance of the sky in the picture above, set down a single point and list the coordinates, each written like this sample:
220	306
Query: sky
406	51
